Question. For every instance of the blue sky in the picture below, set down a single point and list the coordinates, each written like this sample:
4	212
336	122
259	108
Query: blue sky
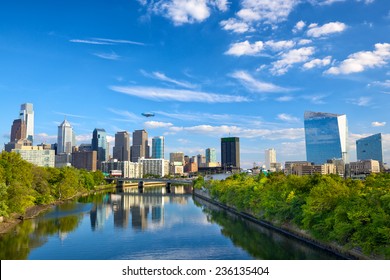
207	69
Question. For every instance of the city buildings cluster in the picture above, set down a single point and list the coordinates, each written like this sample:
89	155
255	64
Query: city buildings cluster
326	137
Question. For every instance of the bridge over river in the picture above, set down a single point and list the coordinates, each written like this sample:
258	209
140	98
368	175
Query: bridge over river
141	183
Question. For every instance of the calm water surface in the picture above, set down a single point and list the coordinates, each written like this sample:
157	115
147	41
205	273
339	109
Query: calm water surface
151	225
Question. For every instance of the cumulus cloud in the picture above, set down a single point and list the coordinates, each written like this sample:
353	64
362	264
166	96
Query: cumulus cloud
326	29
360	61
235	25
317	62
245	48
163	94
378	124
279	45
299	26
290	58
155	124
255	85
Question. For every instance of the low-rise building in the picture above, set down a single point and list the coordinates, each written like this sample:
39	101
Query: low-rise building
363	167
155	166
129	169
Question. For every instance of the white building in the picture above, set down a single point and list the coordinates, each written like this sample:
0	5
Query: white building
66	138
129	169
37	155
270	157
155	166
364	167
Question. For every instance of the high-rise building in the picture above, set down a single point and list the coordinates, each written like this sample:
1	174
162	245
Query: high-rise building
66	138
230	152
121	149
140	147
325	136
158	147
155	166
211	155
27	115
99	144
270	157
370	148
18	130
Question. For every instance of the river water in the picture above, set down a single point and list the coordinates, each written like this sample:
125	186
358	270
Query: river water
152	225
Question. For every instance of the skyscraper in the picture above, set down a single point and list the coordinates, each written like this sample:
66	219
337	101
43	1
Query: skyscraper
230	152
27	115
99	144
270	157
158	147
18	130
325	136
370	148
121	149
211	155
66	138
140	147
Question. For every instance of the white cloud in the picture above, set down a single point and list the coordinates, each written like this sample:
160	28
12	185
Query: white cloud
245	48
109	56
44	138
378	124
83	138
383	84
154	124
318	62
236	26
299	26
361	101
91	42
279	45
255	85
222	5
287	118
304	42
360	61
162	77
162	94
105	41
290	58
284	98
326	29
182	11
248	15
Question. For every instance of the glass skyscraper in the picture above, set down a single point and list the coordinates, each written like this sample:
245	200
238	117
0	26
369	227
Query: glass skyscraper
66	138
230	152
211	155
27	115
158	147
370	148
99	144
325	136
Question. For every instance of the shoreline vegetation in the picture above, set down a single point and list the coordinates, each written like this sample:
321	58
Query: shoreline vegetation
350	218
27	190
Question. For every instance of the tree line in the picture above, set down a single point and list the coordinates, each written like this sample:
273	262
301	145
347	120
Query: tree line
351	213
23	184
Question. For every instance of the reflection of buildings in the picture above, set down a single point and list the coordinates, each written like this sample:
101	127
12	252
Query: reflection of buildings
100	213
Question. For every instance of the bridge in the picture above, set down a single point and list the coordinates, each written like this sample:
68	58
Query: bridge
122	182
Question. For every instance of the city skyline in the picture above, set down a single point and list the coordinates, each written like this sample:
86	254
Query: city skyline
218	70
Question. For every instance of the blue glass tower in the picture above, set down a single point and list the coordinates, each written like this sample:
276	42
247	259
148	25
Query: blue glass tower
99	144
158	147
325	136
370	148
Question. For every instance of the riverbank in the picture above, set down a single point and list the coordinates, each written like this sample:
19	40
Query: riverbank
287	230
11	222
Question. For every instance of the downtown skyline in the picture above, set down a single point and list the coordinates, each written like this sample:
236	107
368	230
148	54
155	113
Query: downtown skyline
206	69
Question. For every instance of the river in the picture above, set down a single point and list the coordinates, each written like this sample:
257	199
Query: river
152	225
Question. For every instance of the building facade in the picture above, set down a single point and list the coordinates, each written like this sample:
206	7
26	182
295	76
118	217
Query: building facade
211	155
66	138
140	147
121	150
370	148
27	115
363	167
100	145
158	145
18	130
154	166
129	169
325	137
37	155
230	152
269	157
85	160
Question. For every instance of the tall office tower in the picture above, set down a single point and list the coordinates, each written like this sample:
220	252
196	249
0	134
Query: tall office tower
325	136
140	147
66	138
230	152
270	157
121	149
370	148
18	130
158	147
211	155
100	145
27	115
